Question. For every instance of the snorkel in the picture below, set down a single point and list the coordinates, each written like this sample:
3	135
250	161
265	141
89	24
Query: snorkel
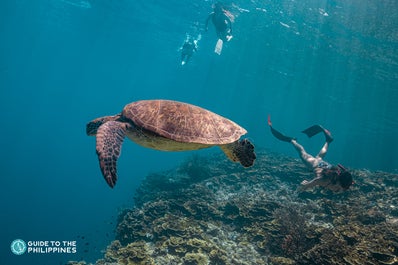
342	167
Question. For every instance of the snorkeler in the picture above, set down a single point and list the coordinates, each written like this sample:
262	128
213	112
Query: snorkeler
335	178
221	19
188	48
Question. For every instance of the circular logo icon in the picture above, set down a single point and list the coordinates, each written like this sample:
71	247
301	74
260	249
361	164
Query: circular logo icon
18	246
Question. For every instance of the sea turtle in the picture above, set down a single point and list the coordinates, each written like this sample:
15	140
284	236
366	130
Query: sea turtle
169	126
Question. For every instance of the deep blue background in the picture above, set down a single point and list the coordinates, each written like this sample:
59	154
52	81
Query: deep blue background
64	63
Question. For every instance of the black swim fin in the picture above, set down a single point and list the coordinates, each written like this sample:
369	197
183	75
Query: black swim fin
315	129
277	134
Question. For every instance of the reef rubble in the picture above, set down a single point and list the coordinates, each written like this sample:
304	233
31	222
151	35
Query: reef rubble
211	211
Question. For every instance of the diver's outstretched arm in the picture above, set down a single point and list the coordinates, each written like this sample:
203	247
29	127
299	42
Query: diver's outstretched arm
305	184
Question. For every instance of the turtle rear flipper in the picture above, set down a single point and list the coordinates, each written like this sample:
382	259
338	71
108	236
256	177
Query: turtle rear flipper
240	151
110	136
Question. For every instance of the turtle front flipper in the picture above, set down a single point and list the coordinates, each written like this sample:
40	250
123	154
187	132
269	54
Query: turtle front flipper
110	136
92	126
240	151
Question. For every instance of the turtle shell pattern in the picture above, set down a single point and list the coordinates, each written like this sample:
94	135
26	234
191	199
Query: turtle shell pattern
182	122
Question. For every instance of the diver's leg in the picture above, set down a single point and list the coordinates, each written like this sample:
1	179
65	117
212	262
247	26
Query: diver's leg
308	159
324	150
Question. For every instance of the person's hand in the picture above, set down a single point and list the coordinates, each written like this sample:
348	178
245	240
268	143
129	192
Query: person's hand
305	182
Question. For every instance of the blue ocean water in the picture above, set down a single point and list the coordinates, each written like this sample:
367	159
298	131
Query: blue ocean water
66	62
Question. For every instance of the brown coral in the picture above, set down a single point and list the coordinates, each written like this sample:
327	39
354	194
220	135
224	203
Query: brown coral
210	211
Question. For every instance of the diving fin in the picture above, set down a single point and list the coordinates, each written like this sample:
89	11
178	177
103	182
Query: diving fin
277	134
315	129
218	48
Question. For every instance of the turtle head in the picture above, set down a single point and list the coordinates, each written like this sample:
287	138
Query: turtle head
92	126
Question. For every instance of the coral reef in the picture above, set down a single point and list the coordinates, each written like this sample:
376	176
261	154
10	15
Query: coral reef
211	211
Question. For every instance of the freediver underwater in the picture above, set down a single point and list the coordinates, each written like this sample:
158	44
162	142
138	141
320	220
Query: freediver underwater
333	177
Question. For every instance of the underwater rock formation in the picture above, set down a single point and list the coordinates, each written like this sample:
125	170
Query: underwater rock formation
210	211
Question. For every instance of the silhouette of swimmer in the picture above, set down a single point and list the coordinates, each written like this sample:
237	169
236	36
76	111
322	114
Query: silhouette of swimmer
221	19
188	48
